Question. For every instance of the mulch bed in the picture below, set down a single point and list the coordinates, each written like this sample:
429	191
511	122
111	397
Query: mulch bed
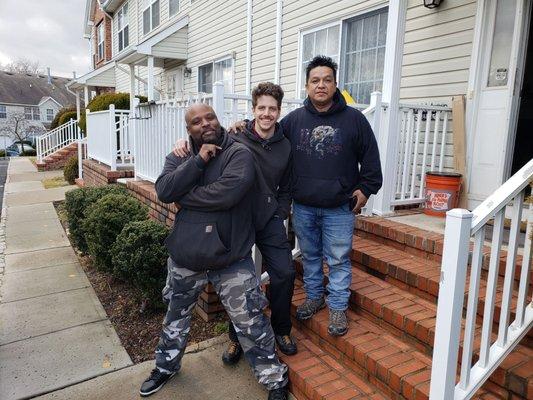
137	329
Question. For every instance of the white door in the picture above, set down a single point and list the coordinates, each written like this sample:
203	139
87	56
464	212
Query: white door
492	132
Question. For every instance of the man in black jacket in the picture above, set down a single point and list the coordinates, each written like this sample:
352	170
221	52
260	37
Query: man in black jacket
211	241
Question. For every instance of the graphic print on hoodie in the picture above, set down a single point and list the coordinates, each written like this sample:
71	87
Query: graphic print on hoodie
321	141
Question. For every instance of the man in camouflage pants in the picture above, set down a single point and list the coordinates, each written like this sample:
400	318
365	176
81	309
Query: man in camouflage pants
211	242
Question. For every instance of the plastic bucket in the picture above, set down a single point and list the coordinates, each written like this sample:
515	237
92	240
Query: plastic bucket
442	192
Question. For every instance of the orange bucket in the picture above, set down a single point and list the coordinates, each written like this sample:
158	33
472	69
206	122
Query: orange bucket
442	192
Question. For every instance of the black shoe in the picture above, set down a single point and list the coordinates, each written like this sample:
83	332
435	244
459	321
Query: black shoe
233	353
338	323
278	394
155	381
309	308
286	344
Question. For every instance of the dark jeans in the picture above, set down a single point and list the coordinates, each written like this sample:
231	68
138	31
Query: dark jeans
275	248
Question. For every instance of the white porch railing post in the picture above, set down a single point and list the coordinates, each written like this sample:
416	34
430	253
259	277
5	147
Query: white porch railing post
80	152
133	126
218	100
112	137
450	304
375	103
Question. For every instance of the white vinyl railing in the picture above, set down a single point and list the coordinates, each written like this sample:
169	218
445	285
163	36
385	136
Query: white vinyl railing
56	139
109	137
82	154
498	338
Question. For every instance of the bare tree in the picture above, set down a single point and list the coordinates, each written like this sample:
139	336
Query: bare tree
20	128
23	66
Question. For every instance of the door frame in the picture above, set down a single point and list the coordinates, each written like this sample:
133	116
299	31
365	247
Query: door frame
477	76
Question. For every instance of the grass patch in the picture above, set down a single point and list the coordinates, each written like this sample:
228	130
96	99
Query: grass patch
54	182
33	160
220	328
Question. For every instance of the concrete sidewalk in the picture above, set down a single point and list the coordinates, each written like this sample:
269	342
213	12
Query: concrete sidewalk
54	332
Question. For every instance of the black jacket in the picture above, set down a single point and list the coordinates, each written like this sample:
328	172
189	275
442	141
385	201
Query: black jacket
334	153
273	169
213	227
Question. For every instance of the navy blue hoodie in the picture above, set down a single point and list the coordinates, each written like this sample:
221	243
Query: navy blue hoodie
334	153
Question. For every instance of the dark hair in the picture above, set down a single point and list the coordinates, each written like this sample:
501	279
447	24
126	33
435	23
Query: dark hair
321	61
267	89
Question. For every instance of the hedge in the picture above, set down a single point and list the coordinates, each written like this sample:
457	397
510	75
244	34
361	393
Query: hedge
67	116
70	172
76	203
103	222
103	101
55	122
139	257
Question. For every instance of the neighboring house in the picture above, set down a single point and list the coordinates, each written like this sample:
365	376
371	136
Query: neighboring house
473	48
36	98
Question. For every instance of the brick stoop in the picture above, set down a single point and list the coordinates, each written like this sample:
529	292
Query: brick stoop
97	174
58	159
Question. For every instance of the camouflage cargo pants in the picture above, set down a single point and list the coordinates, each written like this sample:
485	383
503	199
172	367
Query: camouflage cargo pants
239	292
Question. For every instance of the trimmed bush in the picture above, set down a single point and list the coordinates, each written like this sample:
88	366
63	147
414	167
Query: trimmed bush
67	116
70	172
76	203
103	222
29	152
55	122
139	257
103	101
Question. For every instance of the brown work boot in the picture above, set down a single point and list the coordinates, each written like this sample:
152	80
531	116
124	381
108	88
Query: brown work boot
233	353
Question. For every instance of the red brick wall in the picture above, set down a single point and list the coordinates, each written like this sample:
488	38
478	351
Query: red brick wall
101	17
96	174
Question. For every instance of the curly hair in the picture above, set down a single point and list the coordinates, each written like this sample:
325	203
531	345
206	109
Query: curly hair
267	89
321	61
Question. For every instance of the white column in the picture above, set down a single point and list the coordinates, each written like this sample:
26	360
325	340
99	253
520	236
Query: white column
450	305
249	17
279	20
150	78
86	95
132	87
218	100
78	106
392	73
112	137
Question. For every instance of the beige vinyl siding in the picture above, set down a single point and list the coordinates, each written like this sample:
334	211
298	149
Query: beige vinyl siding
263	41
174	46
212	37
437	51
122	79
132	21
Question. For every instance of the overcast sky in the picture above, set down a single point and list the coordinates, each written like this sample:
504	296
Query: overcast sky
48	31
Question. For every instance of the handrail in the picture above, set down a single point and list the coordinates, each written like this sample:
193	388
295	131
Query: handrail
501	197
56	139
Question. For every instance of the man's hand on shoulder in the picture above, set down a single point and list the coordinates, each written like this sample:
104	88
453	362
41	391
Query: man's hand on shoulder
181	148
237	127
361	200
208	151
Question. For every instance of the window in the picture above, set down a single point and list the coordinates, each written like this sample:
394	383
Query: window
27	113
36	113
150	15
324	42
364	55
360	57
49	114
173	7
100	40
221	70
32	113
123	28
3	112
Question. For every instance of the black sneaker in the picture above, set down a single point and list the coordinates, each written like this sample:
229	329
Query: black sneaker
155	381
286	344
233	353
338	323
309	308
278	394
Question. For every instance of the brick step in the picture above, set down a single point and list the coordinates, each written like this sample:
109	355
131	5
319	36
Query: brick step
315	374
419	242
367	350
419	276
412	319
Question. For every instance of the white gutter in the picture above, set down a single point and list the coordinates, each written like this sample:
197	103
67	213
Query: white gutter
249	16
277	62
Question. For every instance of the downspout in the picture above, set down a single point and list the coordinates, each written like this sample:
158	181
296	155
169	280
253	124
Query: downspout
279	20
249	46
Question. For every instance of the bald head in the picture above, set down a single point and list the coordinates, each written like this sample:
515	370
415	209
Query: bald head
202	124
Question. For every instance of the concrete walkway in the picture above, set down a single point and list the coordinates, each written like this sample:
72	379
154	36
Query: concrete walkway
54	332
55	339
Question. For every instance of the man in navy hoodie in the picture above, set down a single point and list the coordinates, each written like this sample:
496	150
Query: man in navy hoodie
336	167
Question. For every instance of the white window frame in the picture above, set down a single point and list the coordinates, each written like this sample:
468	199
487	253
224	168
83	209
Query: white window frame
213	63
3	111
306	30
49	114
170	15
32	113
100	40
123	15
150	7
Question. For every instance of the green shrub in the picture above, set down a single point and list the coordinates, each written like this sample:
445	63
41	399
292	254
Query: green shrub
67	116
103	101
70	172
103	222
2	153
55	122
29	152
139	257
76	203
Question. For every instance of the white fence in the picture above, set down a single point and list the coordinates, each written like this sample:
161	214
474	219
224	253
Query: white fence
461	225
56	139
109	137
